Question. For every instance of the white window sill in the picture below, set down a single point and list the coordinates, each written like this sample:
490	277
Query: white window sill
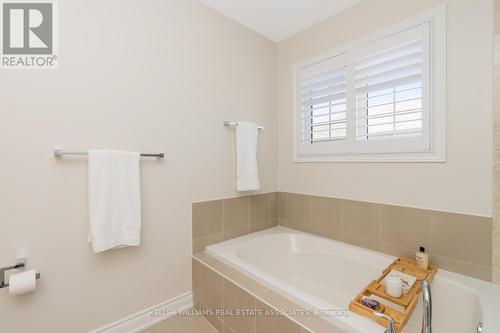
374	158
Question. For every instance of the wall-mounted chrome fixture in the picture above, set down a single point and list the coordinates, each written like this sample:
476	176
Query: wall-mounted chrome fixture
20	263
235	123
61	153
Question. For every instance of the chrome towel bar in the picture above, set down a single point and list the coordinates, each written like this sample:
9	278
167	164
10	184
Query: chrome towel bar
235	123
61	153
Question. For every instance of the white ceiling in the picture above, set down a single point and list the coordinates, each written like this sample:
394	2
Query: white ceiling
279	19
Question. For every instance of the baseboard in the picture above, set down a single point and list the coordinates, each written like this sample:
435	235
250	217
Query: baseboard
144	319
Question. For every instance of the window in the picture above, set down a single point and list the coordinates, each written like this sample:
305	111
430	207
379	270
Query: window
379	99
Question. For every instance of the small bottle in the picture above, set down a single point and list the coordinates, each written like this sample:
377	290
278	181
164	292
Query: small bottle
422	258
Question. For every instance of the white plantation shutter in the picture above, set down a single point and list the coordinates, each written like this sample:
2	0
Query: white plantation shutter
389	86
323	102
374	98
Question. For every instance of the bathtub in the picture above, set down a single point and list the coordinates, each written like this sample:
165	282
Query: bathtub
323	274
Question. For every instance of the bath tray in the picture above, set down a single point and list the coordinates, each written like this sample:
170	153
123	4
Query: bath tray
406	302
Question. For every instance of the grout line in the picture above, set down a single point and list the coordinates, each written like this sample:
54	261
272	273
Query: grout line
380	210
255	317
430	235
223	302
268	207
342	212
248	214
211	235
216	316
287	214
310	199
223	216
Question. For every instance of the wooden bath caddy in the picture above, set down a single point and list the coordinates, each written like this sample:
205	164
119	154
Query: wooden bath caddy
406	301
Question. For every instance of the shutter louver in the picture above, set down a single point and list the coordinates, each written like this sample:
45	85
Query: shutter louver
323	106
388	89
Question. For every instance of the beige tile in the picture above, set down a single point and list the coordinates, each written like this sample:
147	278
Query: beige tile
327	233
462	237
282	206
283	223
405	227
397	251
213	319
201	256
246	282
196	325
200	243
259	210
273	206
228	329
214	263
299	208
236	233
361	242
462	267
235	213
207	218
361	219
326	217
207	286
299	226
496	231
496	276
262	226
268	321
495	258
239	303
281	303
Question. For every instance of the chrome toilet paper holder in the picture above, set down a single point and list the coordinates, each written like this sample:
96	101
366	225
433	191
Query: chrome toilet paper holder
20	263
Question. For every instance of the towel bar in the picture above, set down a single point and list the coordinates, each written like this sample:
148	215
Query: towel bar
61	153
235	123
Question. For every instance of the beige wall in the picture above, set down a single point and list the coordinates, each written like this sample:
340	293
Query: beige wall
158	75
462	184
496	152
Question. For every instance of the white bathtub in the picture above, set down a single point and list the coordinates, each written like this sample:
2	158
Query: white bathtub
323	274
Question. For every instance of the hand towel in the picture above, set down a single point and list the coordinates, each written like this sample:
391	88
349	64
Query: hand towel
114	199
247	170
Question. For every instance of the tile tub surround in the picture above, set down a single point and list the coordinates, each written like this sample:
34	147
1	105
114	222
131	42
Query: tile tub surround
220	291
218	220
455	242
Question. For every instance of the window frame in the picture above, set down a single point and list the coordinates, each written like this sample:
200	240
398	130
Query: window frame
398	150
